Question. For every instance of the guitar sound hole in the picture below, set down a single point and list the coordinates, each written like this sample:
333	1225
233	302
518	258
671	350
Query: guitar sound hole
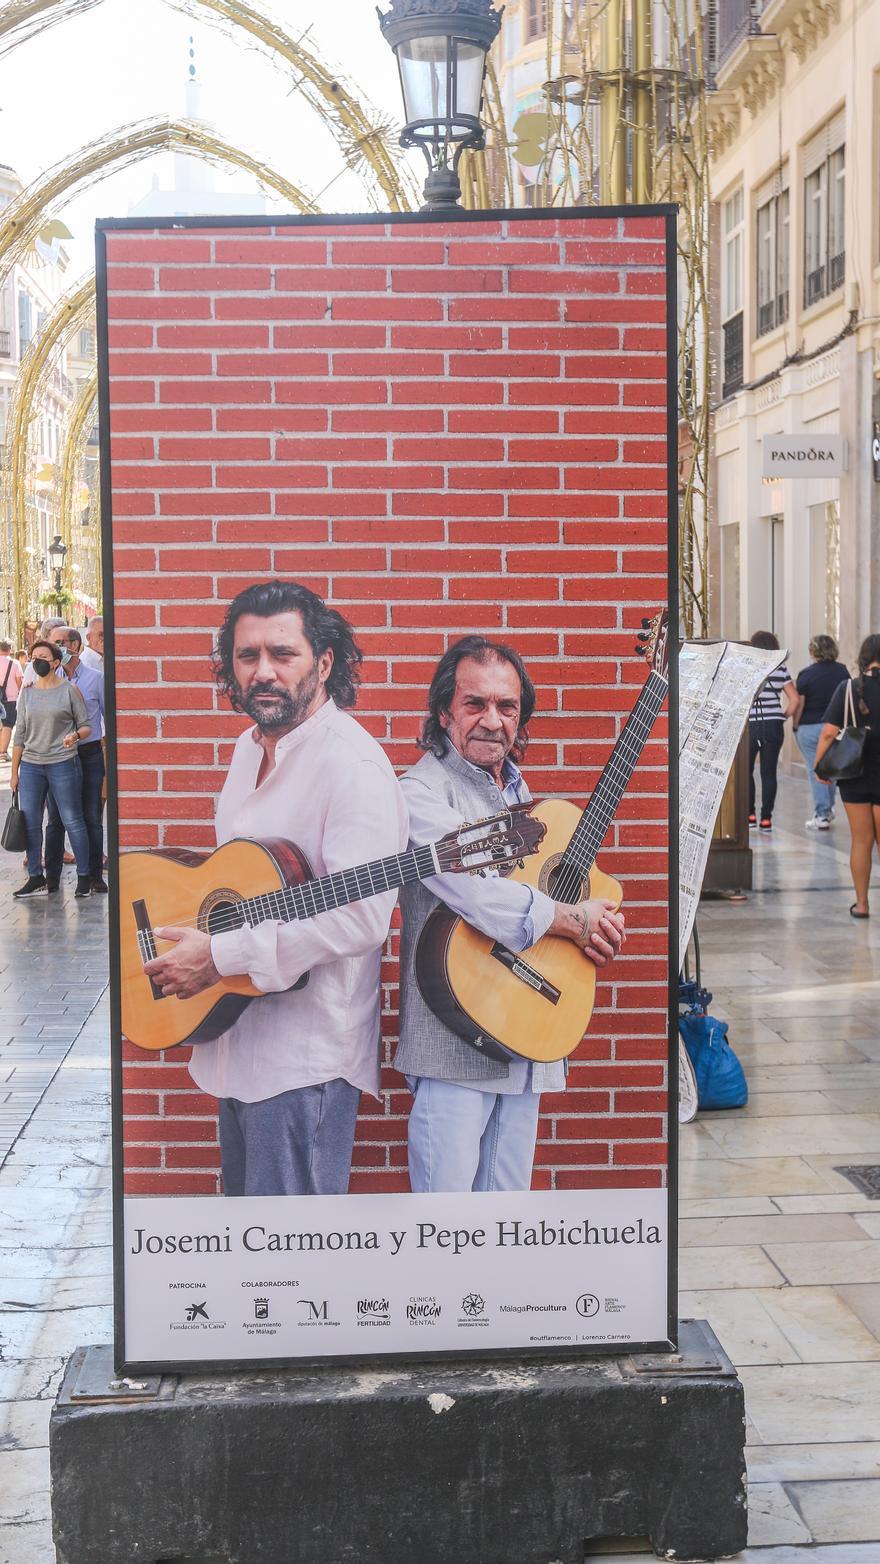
224	915
564	883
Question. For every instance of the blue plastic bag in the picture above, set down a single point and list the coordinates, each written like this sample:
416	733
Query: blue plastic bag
721	1080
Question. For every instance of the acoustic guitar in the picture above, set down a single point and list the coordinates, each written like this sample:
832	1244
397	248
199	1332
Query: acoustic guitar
251	882
536	1004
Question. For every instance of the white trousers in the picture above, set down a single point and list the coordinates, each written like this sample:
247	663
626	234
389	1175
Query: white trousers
461	1138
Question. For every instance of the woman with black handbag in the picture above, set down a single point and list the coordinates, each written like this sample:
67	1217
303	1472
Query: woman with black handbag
848	753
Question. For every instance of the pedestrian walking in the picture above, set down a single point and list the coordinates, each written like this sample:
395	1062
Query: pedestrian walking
10	684
815	686
92	653
90	684
45	633
767	730
861	796
51	723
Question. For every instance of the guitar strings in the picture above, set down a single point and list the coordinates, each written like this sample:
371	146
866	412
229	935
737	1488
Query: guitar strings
570	881
630	745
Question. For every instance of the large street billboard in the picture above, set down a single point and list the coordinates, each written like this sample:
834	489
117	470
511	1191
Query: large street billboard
389	509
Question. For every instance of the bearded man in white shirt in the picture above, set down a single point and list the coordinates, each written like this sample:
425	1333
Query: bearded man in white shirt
290	1071
474	1121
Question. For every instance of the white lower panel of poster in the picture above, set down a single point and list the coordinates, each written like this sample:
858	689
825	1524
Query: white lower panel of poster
298	1276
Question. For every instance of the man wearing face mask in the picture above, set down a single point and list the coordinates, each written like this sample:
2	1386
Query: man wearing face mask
290	1071
90	684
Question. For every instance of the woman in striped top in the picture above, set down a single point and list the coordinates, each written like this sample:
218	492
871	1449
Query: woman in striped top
767	730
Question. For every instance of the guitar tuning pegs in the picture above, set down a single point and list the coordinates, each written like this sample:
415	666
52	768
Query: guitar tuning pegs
646	624
644	636
640	651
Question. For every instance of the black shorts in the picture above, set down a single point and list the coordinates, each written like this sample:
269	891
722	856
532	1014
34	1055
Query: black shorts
9	719
860	791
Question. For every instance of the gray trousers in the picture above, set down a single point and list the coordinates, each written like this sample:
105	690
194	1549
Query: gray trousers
298	1143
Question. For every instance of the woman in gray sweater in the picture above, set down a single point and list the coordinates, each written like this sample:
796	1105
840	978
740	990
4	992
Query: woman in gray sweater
50	723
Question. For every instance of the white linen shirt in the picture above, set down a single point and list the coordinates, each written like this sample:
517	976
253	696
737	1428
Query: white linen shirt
332	792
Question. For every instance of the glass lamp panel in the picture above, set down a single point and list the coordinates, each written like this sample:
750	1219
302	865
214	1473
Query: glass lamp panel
470	63
423	75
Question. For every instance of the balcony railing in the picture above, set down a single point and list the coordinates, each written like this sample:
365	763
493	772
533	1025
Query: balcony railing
837	269
737	19
766	317
773	313
733	355
5	343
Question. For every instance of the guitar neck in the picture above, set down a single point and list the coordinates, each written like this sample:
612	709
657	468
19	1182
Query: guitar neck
609	790
294	903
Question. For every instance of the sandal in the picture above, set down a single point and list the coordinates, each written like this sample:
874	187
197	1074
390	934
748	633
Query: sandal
854	914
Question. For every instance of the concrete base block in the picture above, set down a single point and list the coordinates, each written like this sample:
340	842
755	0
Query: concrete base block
511	1461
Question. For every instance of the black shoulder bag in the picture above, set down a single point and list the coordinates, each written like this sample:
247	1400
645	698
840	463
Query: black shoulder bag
844	759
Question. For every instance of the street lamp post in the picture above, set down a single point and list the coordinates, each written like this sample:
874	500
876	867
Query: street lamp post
441	48
57	555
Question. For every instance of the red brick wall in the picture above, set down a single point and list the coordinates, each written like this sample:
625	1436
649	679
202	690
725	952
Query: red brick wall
441	430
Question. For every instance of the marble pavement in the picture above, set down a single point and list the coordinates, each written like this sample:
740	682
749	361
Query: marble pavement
779	1252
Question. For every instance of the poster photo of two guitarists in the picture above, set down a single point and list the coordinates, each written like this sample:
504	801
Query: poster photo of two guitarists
389	577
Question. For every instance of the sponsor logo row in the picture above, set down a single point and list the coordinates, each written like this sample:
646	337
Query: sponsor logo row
420	1310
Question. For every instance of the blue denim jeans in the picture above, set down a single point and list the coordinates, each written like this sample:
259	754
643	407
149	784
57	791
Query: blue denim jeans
807	736
91	760
63	784
461	1138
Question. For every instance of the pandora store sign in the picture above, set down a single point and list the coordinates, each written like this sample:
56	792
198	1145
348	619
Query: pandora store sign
806	455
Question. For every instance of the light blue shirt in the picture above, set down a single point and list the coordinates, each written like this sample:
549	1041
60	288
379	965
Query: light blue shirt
517	915
91	687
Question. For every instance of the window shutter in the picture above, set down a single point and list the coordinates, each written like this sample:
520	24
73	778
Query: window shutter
827	140
771	187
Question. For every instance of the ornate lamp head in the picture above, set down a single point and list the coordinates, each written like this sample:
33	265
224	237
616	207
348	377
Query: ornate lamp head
441	48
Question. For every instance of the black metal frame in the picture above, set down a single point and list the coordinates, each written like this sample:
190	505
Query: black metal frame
371	219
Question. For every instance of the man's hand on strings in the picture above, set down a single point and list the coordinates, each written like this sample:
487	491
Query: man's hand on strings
188	968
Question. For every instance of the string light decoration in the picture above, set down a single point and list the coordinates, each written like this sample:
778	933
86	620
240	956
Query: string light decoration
22	220
622	117
21	20
366	139
19	556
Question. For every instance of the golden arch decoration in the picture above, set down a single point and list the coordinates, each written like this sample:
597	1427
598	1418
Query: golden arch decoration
69	314
23	19
361	136
79	426
24	217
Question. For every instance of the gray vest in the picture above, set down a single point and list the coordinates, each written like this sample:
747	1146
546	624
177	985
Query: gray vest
426	1046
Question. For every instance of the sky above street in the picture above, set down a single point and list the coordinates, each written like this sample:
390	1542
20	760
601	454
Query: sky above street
127	60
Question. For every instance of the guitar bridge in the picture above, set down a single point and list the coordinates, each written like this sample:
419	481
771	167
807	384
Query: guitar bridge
526	974
146	941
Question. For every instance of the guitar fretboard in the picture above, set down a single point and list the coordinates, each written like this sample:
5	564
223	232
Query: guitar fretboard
298	902
600	811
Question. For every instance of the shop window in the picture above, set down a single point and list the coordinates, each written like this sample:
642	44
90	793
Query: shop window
772	238
824	213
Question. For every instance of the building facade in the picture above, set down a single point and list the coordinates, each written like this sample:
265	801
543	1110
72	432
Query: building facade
795	180
27	297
